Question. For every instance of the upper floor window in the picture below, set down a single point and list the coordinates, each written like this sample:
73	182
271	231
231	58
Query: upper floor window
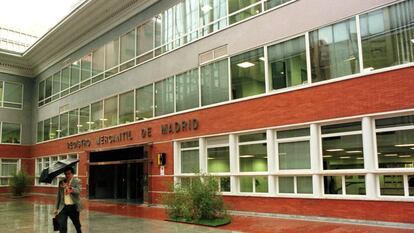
10	133
11	95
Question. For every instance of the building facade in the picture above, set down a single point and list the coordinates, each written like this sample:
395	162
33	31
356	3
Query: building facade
297	107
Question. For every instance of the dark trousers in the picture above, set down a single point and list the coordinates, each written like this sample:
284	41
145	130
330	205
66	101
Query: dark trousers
71	212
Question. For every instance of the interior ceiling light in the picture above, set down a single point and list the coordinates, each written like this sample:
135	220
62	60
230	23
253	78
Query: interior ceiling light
345	157
262	58
404	145
333	150
246	156
391	155
360	158
245	64
206	8
353	151
412	41
327	156
404	156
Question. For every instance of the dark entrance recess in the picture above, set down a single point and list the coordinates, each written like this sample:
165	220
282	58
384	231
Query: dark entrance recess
119	175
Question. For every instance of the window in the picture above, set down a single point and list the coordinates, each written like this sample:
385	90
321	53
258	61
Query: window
10	133
191	20
295	184
334	51
84	121
224	183
75	76
46	129
215	82
73	121
167	33
287	63
54	128
13	95
110	112
253	152
56	86
391	185
64	125
236	5
126	107
218	154
342	146
387	35
86	70
127	50
144	102
294	149
40	131
65	81
145	40
41	92
210	12
345	185
111	57
395	142
48	89
98	64
187	90
190	157
164	96
8	167
247	74
274	3
96	116
253	184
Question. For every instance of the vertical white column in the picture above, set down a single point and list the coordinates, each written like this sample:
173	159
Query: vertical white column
271	160
369	156
203	155
316	159
233	163
177	161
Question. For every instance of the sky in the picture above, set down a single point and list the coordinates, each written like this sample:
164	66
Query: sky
34	17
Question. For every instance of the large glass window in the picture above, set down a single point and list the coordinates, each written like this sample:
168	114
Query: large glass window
64	124
54	128
294	149
187	90
111	57
287	63
73	121
127	49
164	96
65	81
191	19
41	92
167	33
247	74
145	40
253	184
98	65
334	51
342	146
46	129
96	115
253	152
110	112
345	185
274	3
40	131
387	36
237	5
215	82
144	102
210	12
395	142
86	70
218	154
8	167
74	76
126	107
10	133
56	86
190	157
13	95
48	89
84	121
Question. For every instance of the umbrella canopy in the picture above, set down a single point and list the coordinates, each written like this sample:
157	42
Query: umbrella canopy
48	174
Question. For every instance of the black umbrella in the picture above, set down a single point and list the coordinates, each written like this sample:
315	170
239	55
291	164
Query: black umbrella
48	174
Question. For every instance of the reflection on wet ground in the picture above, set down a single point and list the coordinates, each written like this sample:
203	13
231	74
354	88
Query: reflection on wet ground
21	216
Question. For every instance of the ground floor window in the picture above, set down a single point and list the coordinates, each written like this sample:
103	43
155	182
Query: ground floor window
254	184
8	167
344	185
45	162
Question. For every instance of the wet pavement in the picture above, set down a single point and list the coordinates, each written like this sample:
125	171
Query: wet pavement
33	214
20	216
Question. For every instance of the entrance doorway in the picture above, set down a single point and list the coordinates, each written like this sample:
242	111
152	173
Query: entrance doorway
119	175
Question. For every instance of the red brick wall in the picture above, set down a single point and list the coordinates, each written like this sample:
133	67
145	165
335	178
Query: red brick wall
382	92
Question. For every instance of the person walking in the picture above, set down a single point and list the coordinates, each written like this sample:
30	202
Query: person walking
68	202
